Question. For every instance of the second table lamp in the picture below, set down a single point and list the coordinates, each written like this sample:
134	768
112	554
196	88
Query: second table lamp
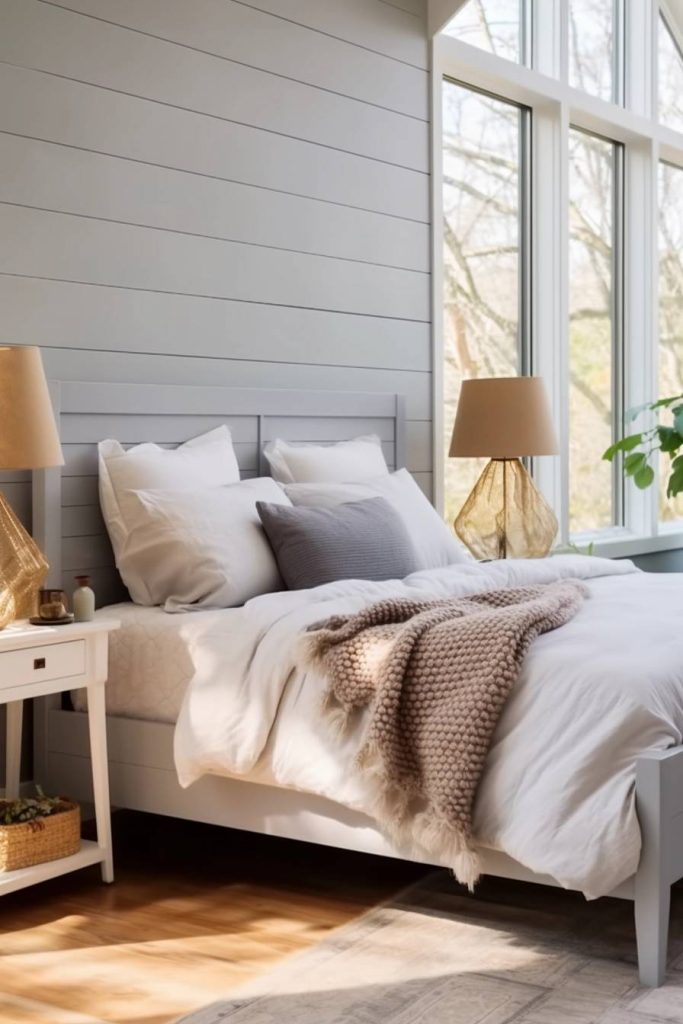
505	515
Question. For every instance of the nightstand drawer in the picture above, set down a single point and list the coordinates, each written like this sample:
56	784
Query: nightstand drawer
35	664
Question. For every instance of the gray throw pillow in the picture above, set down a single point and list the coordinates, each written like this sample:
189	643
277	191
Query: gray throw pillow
361	540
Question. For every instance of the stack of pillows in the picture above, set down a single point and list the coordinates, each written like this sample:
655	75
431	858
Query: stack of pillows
188	533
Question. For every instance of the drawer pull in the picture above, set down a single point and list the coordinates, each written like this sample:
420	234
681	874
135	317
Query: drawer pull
38	663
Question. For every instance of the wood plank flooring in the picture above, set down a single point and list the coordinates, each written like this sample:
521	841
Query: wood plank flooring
195	911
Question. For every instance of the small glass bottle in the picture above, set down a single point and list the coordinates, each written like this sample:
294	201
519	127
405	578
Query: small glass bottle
83	600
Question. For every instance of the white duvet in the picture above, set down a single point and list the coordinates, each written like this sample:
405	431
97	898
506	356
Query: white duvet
558	790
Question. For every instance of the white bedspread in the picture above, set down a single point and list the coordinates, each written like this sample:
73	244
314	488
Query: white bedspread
558	791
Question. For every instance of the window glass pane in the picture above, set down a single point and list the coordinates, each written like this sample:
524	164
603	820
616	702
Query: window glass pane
591	369
592	41
492	25
670	310
481	200
670	79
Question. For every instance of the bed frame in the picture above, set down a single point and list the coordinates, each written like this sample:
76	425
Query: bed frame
68	524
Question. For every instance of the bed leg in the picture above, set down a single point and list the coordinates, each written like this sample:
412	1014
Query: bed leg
652	881
652	930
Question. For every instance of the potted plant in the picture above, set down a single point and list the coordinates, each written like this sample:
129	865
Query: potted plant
37	829
638	449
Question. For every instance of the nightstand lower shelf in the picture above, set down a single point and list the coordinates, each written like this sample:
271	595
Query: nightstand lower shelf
89	853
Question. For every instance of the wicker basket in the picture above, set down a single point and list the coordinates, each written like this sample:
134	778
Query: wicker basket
26	843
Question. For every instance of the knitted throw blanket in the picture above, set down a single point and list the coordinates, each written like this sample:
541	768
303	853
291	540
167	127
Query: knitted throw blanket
435	676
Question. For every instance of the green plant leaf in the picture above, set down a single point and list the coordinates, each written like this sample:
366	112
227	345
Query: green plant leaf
634	462
670	440
678	418
643	477
661	403
664	403
626	444
675	483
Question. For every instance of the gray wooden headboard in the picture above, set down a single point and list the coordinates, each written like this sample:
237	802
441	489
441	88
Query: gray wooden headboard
66	514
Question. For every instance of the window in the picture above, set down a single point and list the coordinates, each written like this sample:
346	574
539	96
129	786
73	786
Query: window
593	342
595	48
670	78
670	309
562	201
483	199
493	25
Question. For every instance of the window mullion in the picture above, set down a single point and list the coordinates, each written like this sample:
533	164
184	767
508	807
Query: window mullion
618	321
651	334
619	19
545	19
640	321
563	16
527	29
640	57
550	301
525	341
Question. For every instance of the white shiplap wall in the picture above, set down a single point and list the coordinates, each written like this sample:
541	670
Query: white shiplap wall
219	191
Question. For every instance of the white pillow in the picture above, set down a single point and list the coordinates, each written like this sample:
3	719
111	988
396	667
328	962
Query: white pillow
432	539
203	548
205	461
360	459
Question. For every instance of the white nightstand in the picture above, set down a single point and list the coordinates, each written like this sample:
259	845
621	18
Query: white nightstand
39	660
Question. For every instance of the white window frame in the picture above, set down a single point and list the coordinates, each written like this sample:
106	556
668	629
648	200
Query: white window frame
555	105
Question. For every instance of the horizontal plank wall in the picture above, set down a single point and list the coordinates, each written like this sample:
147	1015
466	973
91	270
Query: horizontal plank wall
218	192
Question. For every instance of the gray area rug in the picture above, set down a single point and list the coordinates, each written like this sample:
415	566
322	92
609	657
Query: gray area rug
434	955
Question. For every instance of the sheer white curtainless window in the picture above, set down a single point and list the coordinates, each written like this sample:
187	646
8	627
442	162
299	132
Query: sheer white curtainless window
499	26
670	77
670	313
596	182
558	162
485	167
595	30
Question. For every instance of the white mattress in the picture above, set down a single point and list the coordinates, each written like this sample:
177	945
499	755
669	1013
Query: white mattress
150	664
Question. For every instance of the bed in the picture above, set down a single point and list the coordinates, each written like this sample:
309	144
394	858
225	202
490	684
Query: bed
141	736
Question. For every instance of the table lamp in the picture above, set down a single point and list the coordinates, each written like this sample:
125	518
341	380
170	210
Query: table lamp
504	418
28	440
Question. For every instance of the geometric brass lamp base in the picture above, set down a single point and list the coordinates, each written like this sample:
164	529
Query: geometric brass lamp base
505	515
23	568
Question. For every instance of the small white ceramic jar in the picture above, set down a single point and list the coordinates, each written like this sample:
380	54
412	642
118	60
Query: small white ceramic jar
83	600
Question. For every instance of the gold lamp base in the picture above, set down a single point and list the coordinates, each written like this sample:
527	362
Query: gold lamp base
505	515
23	568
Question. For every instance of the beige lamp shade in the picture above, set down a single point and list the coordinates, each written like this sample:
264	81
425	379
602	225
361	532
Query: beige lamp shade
28	433
503	418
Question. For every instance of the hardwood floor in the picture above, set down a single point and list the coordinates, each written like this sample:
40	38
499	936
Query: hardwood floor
195	910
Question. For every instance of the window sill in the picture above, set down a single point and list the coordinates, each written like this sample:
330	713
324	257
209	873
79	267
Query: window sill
621	544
